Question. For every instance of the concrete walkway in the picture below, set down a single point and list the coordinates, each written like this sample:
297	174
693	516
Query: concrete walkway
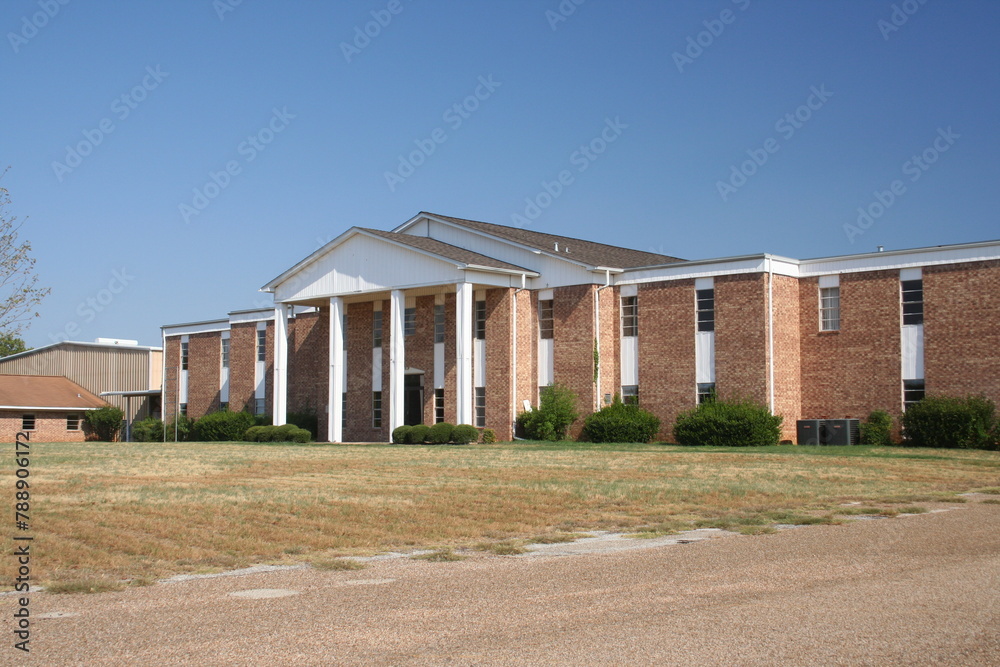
915	590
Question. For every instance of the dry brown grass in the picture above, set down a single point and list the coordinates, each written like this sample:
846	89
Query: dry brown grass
143	511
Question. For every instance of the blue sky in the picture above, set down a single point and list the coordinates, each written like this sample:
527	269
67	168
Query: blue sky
695	129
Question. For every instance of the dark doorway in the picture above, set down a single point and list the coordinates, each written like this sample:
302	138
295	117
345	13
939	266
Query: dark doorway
413	399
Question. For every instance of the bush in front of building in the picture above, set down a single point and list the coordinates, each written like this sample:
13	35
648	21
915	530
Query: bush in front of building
401	434
284	433
105	422
463	434
306	419
149	429
418	434
489	436
552	418
222	425
440	433
728	424
950	422
620	422
180	429
876	430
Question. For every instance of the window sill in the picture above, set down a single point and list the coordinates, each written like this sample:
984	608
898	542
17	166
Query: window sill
833	332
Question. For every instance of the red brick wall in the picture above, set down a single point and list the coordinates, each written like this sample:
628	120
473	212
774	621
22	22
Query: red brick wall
850	372
419	352
527	349
450	360
383	433
499	379
204	373
309	365
610	347
787	358
171	381
962	330
741	342
359	375
49	426
666	350
242	363
573	346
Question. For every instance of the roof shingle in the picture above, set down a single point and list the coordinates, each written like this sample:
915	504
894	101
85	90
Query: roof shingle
45	391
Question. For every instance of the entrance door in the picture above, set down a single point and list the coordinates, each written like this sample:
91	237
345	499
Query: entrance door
413	399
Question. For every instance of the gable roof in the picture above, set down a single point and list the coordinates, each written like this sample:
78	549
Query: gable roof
45	392
578	250
447	251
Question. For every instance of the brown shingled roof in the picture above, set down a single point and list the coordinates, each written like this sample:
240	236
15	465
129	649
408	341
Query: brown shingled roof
586	252
45	391
446	250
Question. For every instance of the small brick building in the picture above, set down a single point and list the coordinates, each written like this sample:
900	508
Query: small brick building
47	408
445	319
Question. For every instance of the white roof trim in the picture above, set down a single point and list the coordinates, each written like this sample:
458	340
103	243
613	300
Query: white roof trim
35	408
141	348
195	328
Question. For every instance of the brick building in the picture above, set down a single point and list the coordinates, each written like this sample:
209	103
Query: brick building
46	408
445	319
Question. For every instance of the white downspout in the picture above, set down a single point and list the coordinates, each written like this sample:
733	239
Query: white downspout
770	329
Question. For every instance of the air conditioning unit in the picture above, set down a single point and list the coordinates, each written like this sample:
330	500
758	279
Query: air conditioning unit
837	432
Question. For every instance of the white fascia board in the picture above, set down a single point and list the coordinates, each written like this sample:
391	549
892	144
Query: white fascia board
195	328
693	269
901	259
36	408
248	316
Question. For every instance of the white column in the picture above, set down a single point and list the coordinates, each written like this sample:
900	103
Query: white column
335	411
463	346
280	402
397	361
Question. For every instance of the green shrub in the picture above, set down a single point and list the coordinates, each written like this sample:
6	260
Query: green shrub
553	416
877	429
222	425
181	427
306	419
463	434
945	421
723	424
284	433
440	433
149	429
254	434
489	436
620	422
401	434
105	422
418	434
262	419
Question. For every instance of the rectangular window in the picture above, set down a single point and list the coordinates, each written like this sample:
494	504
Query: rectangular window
27	422
184	356
630	394
439	324
225	353
545	319
438	406
344	329
913	301
829	308
261	344
480	406
706	309
913	391
258	406
184	409
377	329
343	411
480	320
706	392
409	321
72	422
630	316
377	409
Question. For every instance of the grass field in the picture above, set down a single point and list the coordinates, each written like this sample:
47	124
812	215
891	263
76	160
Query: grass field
104	514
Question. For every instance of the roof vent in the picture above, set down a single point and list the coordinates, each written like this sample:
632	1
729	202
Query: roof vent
557	246
881	249
567	250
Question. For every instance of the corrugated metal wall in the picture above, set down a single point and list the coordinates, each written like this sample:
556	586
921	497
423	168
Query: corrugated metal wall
96	369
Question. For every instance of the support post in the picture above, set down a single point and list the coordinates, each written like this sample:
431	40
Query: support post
279	412
463	346
335	410
397	360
